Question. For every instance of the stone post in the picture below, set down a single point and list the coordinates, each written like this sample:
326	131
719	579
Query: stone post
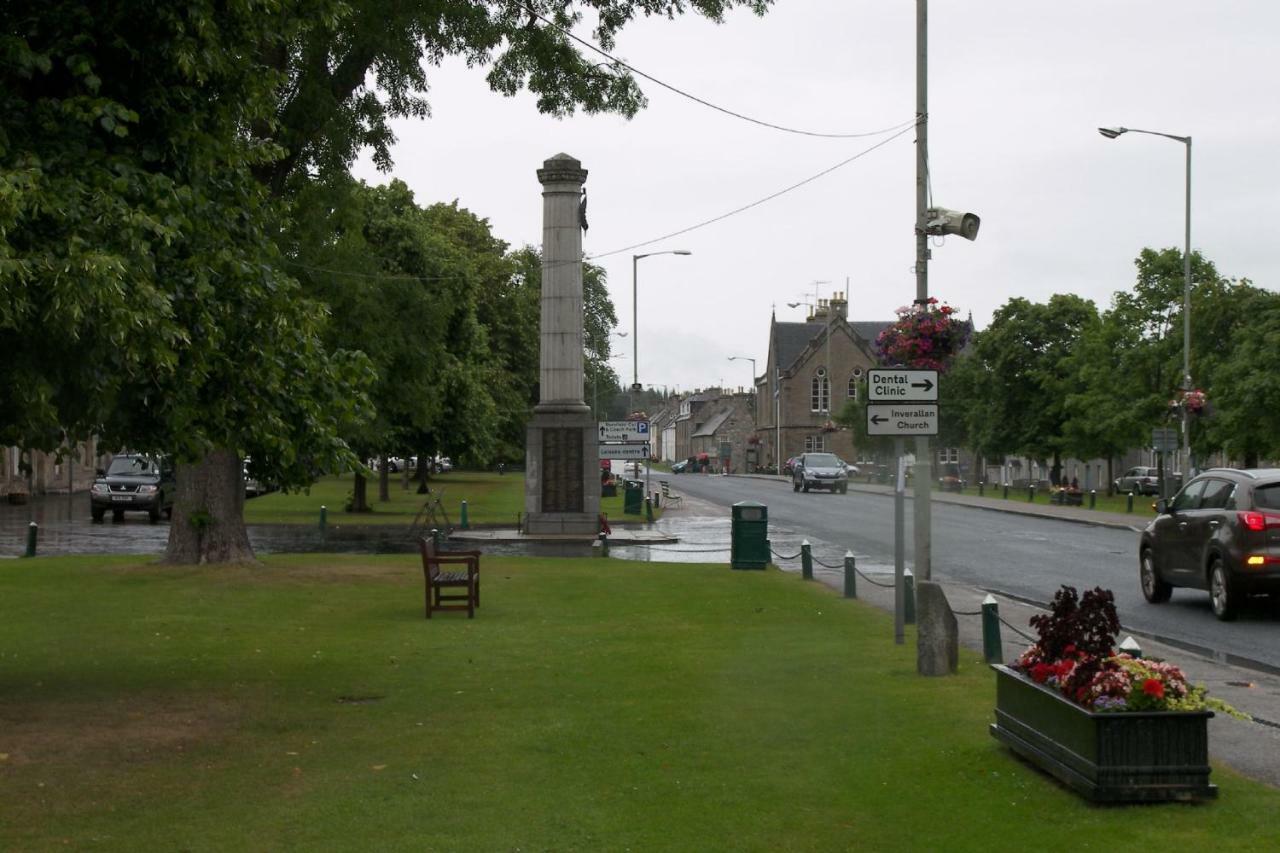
562	478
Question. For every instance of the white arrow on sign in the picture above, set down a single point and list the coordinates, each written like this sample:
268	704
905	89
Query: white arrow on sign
624	431
900	386
902	419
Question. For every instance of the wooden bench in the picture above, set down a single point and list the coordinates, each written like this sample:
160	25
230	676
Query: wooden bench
439	579
669	497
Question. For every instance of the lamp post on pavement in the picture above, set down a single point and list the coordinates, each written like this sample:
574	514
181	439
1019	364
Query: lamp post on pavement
635	325
1113	133
753	370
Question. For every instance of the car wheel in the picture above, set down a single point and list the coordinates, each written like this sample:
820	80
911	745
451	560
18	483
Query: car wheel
805	488
168	512
1225	600
844	490
117	515
795	487
153	514
1154	589
98	514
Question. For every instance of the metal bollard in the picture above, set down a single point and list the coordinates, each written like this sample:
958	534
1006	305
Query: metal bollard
1006	491
850	576
648	509
463	523
324	517
806	561
1129	503
1031	493
1130	647
435	537
991	648
604	544
980	485
33	531
1093	498
908	598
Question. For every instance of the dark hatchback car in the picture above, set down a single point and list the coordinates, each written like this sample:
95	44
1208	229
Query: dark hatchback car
134	482
1221	533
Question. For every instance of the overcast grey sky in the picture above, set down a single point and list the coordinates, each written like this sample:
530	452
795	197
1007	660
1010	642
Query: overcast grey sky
1016	92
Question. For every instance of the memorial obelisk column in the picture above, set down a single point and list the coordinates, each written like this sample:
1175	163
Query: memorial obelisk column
562	476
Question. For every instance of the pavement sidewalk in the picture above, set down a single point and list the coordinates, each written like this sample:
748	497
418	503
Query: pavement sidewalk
1250	747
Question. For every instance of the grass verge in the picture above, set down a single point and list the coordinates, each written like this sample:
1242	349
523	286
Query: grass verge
591	705
492	499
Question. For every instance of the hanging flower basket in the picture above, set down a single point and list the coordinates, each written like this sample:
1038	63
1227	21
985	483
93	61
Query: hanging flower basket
1195	401
753	439
829	426
927	336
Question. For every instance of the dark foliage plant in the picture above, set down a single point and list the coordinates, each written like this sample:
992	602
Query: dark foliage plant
1076	627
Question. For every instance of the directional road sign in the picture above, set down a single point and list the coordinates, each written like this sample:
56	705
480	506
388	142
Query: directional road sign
901	386
624	431
902	419
624	451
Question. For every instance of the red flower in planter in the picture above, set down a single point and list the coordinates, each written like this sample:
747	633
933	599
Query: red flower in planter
1041	672
1154	688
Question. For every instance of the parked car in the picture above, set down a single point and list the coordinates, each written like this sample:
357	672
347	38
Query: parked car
679	467
253	487
819	471
1221	533
851	470
133	482
1140	480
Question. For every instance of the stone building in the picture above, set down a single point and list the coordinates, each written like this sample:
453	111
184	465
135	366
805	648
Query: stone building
812	370
44	473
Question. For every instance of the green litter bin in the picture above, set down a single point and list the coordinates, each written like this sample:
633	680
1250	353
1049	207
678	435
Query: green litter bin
749	536
632	497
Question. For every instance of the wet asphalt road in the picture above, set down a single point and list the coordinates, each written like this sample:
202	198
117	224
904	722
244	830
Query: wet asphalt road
1019	556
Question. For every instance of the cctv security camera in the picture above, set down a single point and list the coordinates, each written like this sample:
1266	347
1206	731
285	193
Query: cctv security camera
939	220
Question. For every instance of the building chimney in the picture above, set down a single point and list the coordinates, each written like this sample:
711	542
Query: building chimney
840	306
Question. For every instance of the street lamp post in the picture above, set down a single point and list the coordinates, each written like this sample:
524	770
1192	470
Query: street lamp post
1112	133
754	412
635	325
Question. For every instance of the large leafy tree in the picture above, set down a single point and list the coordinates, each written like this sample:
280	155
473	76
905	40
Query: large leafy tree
142	285
130	227
1024	357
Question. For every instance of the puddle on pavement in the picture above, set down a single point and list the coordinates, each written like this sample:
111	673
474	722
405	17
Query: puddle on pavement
65	528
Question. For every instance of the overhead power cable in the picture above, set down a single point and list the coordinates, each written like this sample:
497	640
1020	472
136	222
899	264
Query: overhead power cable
757	202
682	93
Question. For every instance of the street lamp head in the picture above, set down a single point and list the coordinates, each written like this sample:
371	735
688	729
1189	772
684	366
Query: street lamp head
681	252
1112	132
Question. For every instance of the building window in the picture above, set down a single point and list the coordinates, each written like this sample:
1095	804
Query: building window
853	386
949	455
820	392
815	443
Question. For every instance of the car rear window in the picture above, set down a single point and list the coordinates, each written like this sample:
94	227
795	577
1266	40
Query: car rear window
1267	497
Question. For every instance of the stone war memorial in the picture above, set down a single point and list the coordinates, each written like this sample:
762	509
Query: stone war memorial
562	482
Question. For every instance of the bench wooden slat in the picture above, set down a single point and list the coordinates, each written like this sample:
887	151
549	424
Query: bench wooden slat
439	580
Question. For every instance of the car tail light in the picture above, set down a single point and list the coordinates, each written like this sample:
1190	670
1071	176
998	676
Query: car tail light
1258	521
1255	521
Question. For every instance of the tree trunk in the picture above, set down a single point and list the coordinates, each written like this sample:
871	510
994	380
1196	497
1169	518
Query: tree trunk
424	466
208	513
384	479
360	494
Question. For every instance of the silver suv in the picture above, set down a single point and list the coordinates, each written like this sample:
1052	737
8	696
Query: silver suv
820	471
1140	480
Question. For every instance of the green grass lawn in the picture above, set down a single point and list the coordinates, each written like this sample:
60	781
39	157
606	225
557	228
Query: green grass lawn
492	499
591	705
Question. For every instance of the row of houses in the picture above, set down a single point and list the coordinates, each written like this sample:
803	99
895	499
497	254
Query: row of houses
811	370
33	472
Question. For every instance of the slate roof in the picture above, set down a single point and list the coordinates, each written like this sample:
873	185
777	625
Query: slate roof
710	427
792	338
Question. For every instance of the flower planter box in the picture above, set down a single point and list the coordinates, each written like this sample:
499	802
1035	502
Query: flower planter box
1126	756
